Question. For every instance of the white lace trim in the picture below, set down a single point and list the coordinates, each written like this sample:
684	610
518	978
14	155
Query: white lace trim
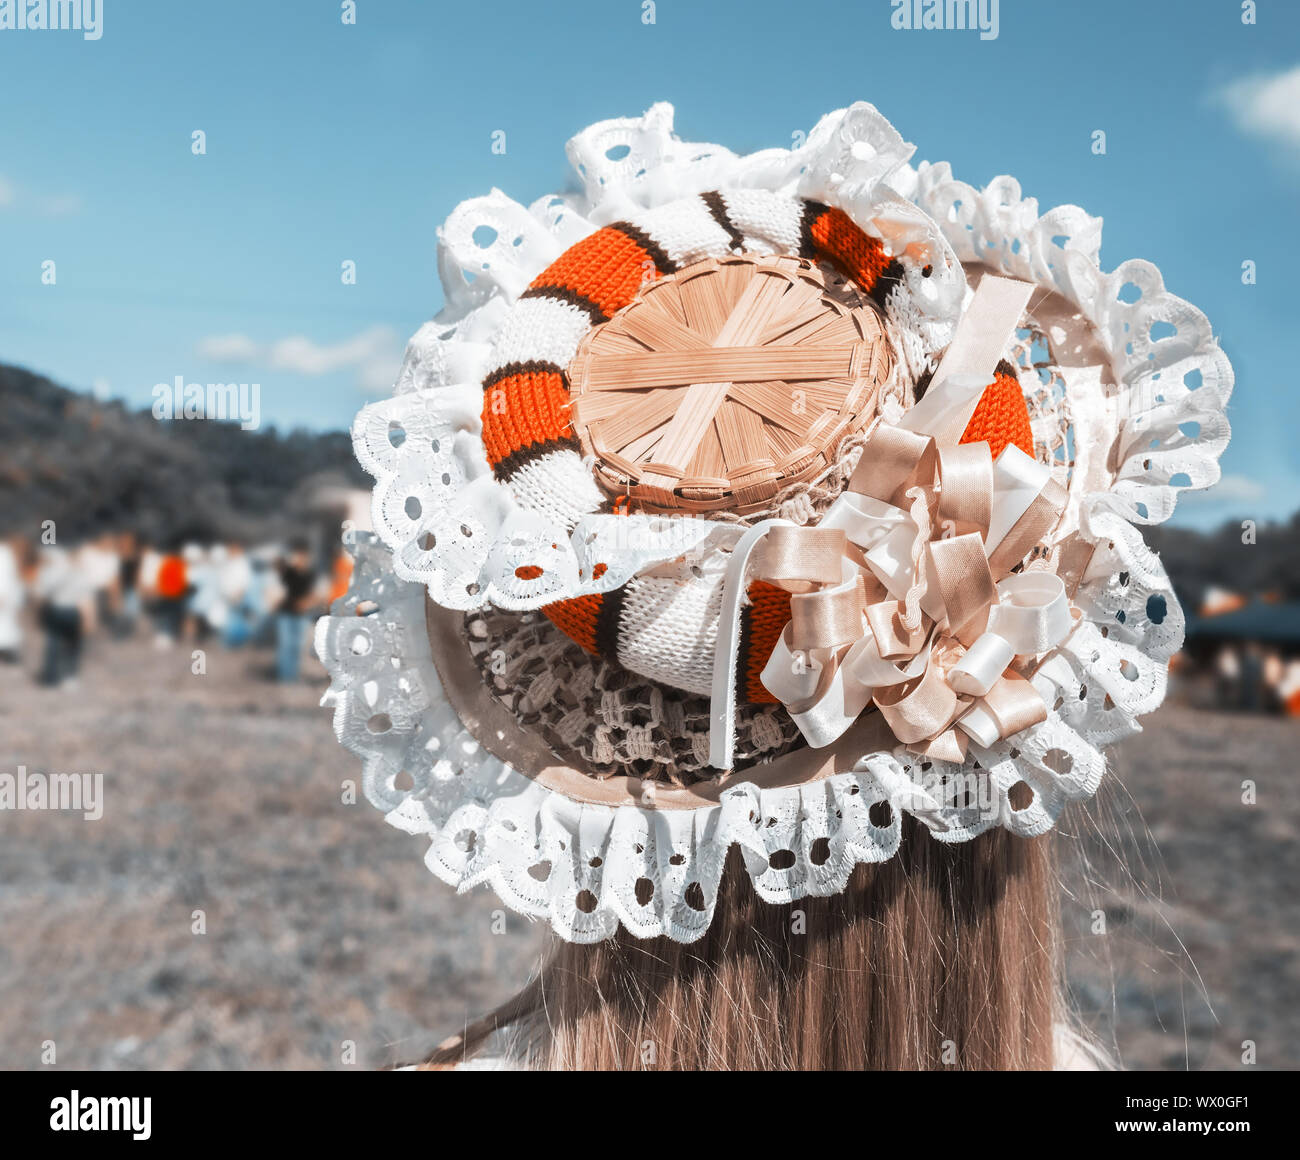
587	868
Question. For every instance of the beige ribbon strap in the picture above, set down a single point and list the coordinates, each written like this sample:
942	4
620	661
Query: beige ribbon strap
797	559
959	584
1011	705
966	497
892	461
829	618
1039	518
920	708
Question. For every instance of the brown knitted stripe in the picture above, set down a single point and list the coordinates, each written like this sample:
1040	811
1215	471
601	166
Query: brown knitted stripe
653	250
505	469
890	277
718	211
532	366
761	624
812	210
609	622
569	297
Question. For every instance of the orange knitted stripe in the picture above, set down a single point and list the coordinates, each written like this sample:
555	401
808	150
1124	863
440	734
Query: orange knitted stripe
841	241
1001	417
761	624
523	409
577	619
606	268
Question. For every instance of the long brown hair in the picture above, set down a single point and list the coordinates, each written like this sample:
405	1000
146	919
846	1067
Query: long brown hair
945	956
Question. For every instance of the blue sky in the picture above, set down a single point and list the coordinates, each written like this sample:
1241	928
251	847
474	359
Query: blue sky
328	142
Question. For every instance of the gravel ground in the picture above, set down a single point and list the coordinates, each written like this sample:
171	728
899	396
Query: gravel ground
322	927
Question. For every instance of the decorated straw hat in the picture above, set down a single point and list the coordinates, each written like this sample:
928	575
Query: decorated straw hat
759	500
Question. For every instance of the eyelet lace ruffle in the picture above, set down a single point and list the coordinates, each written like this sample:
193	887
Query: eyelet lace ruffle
587	868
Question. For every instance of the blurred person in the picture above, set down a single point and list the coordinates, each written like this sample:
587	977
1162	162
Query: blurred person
265	592
1251	689
1227	676
1288	688
11	602
210	595
298	578
171	585
200	606
234	578
98	564
130	559
61	592
1271	677
147	580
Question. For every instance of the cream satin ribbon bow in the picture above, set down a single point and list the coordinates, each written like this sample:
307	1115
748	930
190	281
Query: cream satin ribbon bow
903	594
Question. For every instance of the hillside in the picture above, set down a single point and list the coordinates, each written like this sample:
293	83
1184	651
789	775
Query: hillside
92	466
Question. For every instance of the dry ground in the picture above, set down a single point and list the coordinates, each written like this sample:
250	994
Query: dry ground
323	926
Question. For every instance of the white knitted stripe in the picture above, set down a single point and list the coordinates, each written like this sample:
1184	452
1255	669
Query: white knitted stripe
685	231
668	629
769	221
557	485
544	329
911	336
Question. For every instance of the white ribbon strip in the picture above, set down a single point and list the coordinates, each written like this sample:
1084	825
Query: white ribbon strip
983	334
1017	480
866	521
985	661
722	709
1032	613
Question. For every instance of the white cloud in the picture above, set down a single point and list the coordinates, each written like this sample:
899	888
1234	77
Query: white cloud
1229	489
12	196
374	354
230	348
1266	105
59	205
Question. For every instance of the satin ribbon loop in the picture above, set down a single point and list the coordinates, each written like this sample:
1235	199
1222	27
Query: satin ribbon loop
985	661
791	677
797	558
865	520
966	488
959	585
918	709
892	461
1030	527
894	639
949	746
1012	704
827	619
1032	612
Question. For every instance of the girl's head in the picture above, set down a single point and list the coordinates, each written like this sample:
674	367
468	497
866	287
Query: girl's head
737	499
945	956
